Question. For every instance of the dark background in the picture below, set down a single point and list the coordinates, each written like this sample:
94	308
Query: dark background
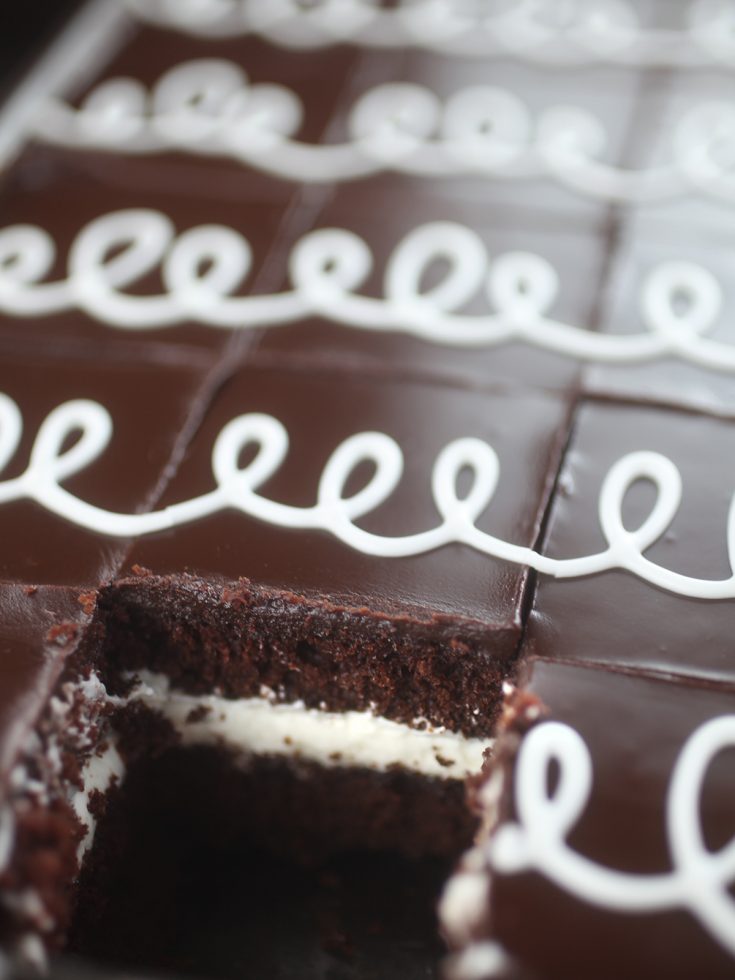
24	31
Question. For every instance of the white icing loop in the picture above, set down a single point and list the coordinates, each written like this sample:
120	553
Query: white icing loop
208	107
204	267
393	119
372	447
574	33
522	286
481	460
487	127
50	462
462	248
658	470
329	263
335	512
271	439
699	879
114	112
206	263
26	254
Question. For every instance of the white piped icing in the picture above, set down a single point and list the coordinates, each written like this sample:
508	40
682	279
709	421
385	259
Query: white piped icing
334	512
546	31
204	266
261	726
208	107
479	961
699	879
464	902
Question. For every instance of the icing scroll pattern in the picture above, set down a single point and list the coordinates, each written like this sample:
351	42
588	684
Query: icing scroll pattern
545	31
202	269
335	512
208	107
699	879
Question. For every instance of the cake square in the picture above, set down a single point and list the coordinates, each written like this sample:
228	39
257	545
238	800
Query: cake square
325	606
468	260
617	747
84	259
620	618
72	429
557	128
684	293
257	96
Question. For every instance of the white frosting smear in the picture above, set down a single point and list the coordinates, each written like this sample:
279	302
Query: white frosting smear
700	880
208	107
99	773
546	31
261	726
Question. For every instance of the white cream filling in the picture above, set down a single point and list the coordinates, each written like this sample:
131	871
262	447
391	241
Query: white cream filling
99	773
262	726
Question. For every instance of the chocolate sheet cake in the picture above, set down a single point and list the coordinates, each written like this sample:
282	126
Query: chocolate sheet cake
366	480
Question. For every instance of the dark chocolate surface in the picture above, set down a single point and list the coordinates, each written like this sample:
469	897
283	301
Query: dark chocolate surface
635	729
149	405
613	617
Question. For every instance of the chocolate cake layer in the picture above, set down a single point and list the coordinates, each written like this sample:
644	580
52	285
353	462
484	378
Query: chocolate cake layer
171	885
628	789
